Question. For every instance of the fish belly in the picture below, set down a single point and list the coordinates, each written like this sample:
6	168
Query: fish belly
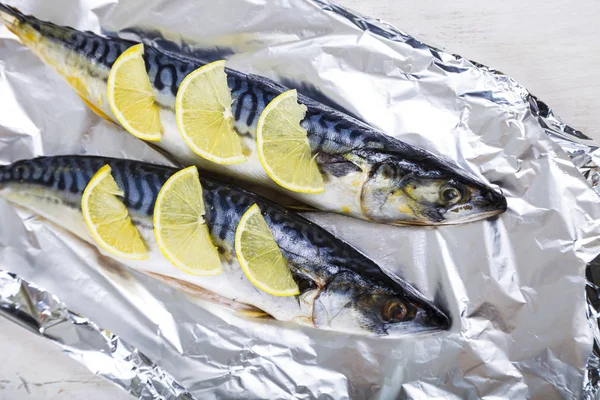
64	210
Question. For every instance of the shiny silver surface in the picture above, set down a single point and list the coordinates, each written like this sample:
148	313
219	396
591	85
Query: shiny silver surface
584	153
98	349
514	285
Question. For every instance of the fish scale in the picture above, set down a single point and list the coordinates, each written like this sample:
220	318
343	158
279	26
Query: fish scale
141	183
367	174
53	187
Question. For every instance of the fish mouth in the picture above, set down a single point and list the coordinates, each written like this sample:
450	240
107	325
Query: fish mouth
472	217
483	205
476	216
436	319
429	320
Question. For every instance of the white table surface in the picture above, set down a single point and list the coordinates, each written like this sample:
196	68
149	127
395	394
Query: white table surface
552	49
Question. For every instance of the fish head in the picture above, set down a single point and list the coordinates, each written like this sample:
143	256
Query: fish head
352	304
428	191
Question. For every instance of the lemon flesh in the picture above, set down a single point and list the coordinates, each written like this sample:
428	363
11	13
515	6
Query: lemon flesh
283	146
179	226
108	219
204	116
131	97
260	257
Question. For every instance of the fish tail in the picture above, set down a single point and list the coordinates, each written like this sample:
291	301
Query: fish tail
50	41
9	12
30	29
12	18
34	33
82	58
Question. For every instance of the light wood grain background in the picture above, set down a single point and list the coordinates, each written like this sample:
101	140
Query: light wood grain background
553	48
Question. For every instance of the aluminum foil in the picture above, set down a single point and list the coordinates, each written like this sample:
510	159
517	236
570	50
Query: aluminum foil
100	350
585	155
515	285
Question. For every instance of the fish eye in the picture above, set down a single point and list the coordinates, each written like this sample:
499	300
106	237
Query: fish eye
450	195
386	171
395	311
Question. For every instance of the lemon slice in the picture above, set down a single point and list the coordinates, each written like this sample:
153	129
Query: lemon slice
179	226
204	116
131	97
108	219
283	146
260	256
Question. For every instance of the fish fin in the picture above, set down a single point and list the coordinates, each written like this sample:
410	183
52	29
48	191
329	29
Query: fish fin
95	109
8	14
202	294
11	17
254	314
12	29
174	44
301	208
336	165
310	90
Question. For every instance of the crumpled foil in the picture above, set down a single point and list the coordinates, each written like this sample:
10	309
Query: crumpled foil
515	285
585	155
101	351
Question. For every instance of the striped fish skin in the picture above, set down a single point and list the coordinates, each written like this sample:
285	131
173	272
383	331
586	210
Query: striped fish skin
368	174
341	289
